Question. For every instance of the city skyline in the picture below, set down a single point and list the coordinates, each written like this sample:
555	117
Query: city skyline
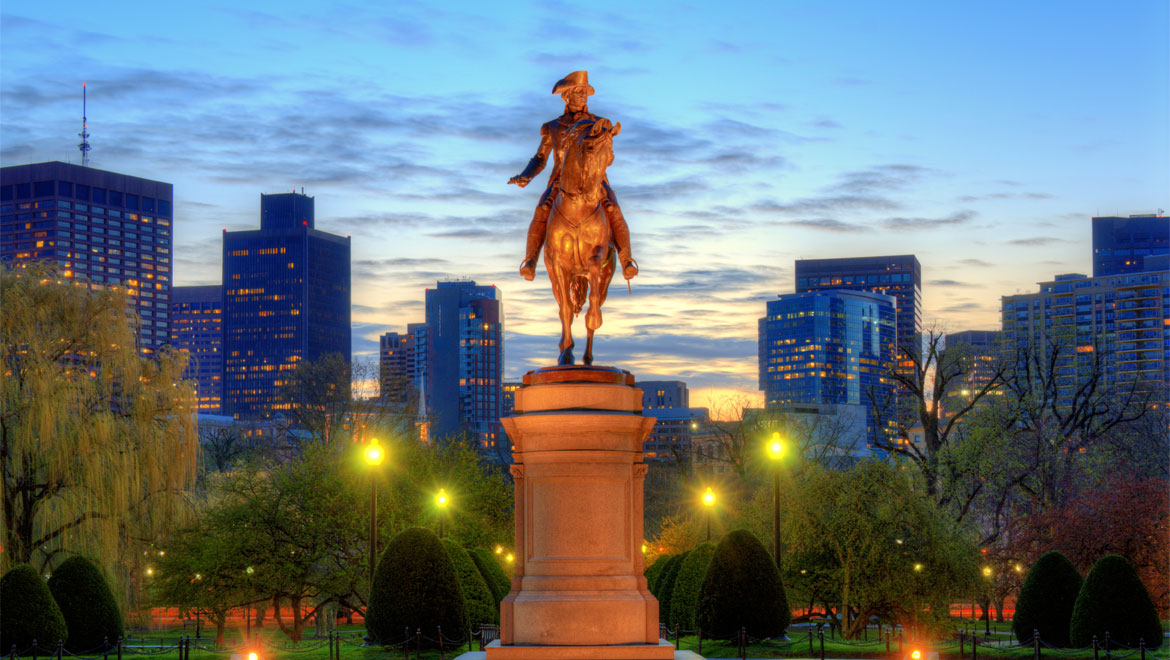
982	141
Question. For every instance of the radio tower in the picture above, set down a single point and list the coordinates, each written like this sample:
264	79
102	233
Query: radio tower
84	134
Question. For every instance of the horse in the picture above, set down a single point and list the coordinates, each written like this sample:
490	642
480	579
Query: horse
579	256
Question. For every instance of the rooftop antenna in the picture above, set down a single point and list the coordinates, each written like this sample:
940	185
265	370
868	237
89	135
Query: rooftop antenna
84	134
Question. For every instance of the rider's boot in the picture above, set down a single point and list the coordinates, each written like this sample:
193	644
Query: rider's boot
535	241
621	238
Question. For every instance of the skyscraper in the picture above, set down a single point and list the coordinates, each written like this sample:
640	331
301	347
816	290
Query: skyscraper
286	290
1120	323
105	227
396	368
1123	245
899	276
979	354
830	347
197	329
659	394
465	361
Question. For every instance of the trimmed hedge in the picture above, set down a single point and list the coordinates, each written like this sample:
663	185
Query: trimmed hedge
28	611
684	599
654	570
660	581
743	590
1046	600
1114	600
415	588
482	606
669	578
490	569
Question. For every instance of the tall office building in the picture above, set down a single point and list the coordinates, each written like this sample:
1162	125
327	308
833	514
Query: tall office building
396	368
673	437
899	276
1124	245
1121	320
830	347
979	354
197	329
660	394
104	227
465	361
286	298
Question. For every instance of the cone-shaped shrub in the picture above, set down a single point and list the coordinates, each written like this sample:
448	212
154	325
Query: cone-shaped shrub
28	611
415	588
1114	600
684	599
666	590
660	582
490	569
1046	600
742	590
654	571
482	606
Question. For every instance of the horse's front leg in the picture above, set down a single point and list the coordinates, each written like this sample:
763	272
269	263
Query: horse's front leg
560	285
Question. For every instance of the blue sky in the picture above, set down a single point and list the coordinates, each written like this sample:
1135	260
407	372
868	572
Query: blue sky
979	136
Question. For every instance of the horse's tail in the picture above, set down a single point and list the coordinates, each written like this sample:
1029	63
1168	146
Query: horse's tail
578	293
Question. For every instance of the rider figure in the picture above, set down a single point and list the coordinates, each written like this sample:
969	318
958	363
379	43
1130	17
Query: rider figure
575	90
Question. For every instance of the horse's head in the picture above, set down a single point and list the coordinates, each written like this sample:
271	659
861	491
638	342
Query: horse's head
589	151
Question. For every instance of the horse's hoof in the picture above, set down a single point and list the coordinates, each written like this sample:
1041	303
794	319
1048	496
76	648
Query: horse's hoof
588	359
566	358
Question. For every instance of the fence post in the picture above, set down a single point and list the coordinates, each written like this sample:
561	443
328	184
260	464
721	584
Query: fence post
418	643
743	643
676	640
1095	647
1036	643
901	635
821	635
13	656
700	630
974	647
1108	655
888	635
60	646
1142	647
337	644
119	649
962	642
470	634
442	655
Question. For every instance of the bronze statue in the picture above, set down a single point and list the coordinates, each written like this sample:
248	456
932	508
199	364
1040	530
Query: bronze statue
578	217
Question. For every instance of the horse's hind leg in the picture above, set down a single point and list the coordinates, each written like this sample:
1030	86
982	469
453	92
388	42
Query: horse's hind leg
600	272
560	286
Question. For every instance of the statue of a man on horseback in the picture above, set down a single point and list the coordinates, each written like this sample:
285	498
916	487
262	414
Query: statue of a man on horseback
578	220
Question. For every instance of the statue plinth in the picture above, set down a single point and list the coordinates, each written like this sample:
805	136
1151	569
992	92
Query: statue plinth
578	591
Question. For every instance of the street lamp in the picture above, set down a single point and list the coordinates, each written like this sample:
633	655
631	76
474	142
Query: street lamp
987	607
776	452
441	502
709	502
374	456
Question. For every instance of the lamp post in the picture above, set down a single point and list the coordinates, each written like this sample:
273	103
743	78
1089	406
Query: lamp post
441	502
709	502
987	600
776	452
374	456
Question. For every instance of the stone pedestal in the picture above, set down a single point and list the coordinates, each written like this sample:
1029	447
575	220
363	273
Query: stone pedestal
578	590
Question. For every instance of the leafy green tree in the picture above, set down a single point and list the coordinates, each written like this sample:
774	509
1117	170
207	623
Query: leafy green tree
888	548
97	442
742	589
90	610
684	599
492	574
30	613
1046	600
482	607
1113	600
415	588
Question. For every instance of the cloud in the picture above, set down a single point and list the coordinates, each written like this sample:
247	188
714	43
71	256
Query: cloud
951	283
828	225
1036	241
909	224
979	263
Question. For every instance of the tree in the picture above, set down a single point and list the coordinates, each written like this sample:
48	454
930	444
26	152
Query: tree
415	588
482	607
653	571
885	545
97	443
1112	600
30	613
1046	600
742	589
91	613
492	574
684	599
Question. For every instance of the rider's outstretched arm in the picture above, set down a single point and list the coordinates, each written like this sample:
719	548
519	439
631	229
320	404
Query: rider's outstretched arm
536	164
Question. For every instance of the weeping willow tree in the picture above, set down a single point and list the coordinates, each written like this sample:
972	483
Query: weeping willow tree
98	444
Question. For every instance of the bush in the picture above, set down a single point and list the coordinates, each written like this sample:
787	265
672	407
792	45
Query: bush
1114	600
1046	600
415	588
29	611
684	599
742	590
656	589
482	606
91	613
666	589
489	568
654	570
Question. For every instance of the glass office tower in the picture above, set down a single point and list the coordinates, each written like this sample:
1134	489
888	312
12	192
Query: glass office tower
108	228
286	290
830	347
197	329
1122	245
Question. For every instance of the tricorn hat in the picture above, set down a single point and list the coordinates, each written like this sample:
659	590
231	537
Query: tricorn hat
574	79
